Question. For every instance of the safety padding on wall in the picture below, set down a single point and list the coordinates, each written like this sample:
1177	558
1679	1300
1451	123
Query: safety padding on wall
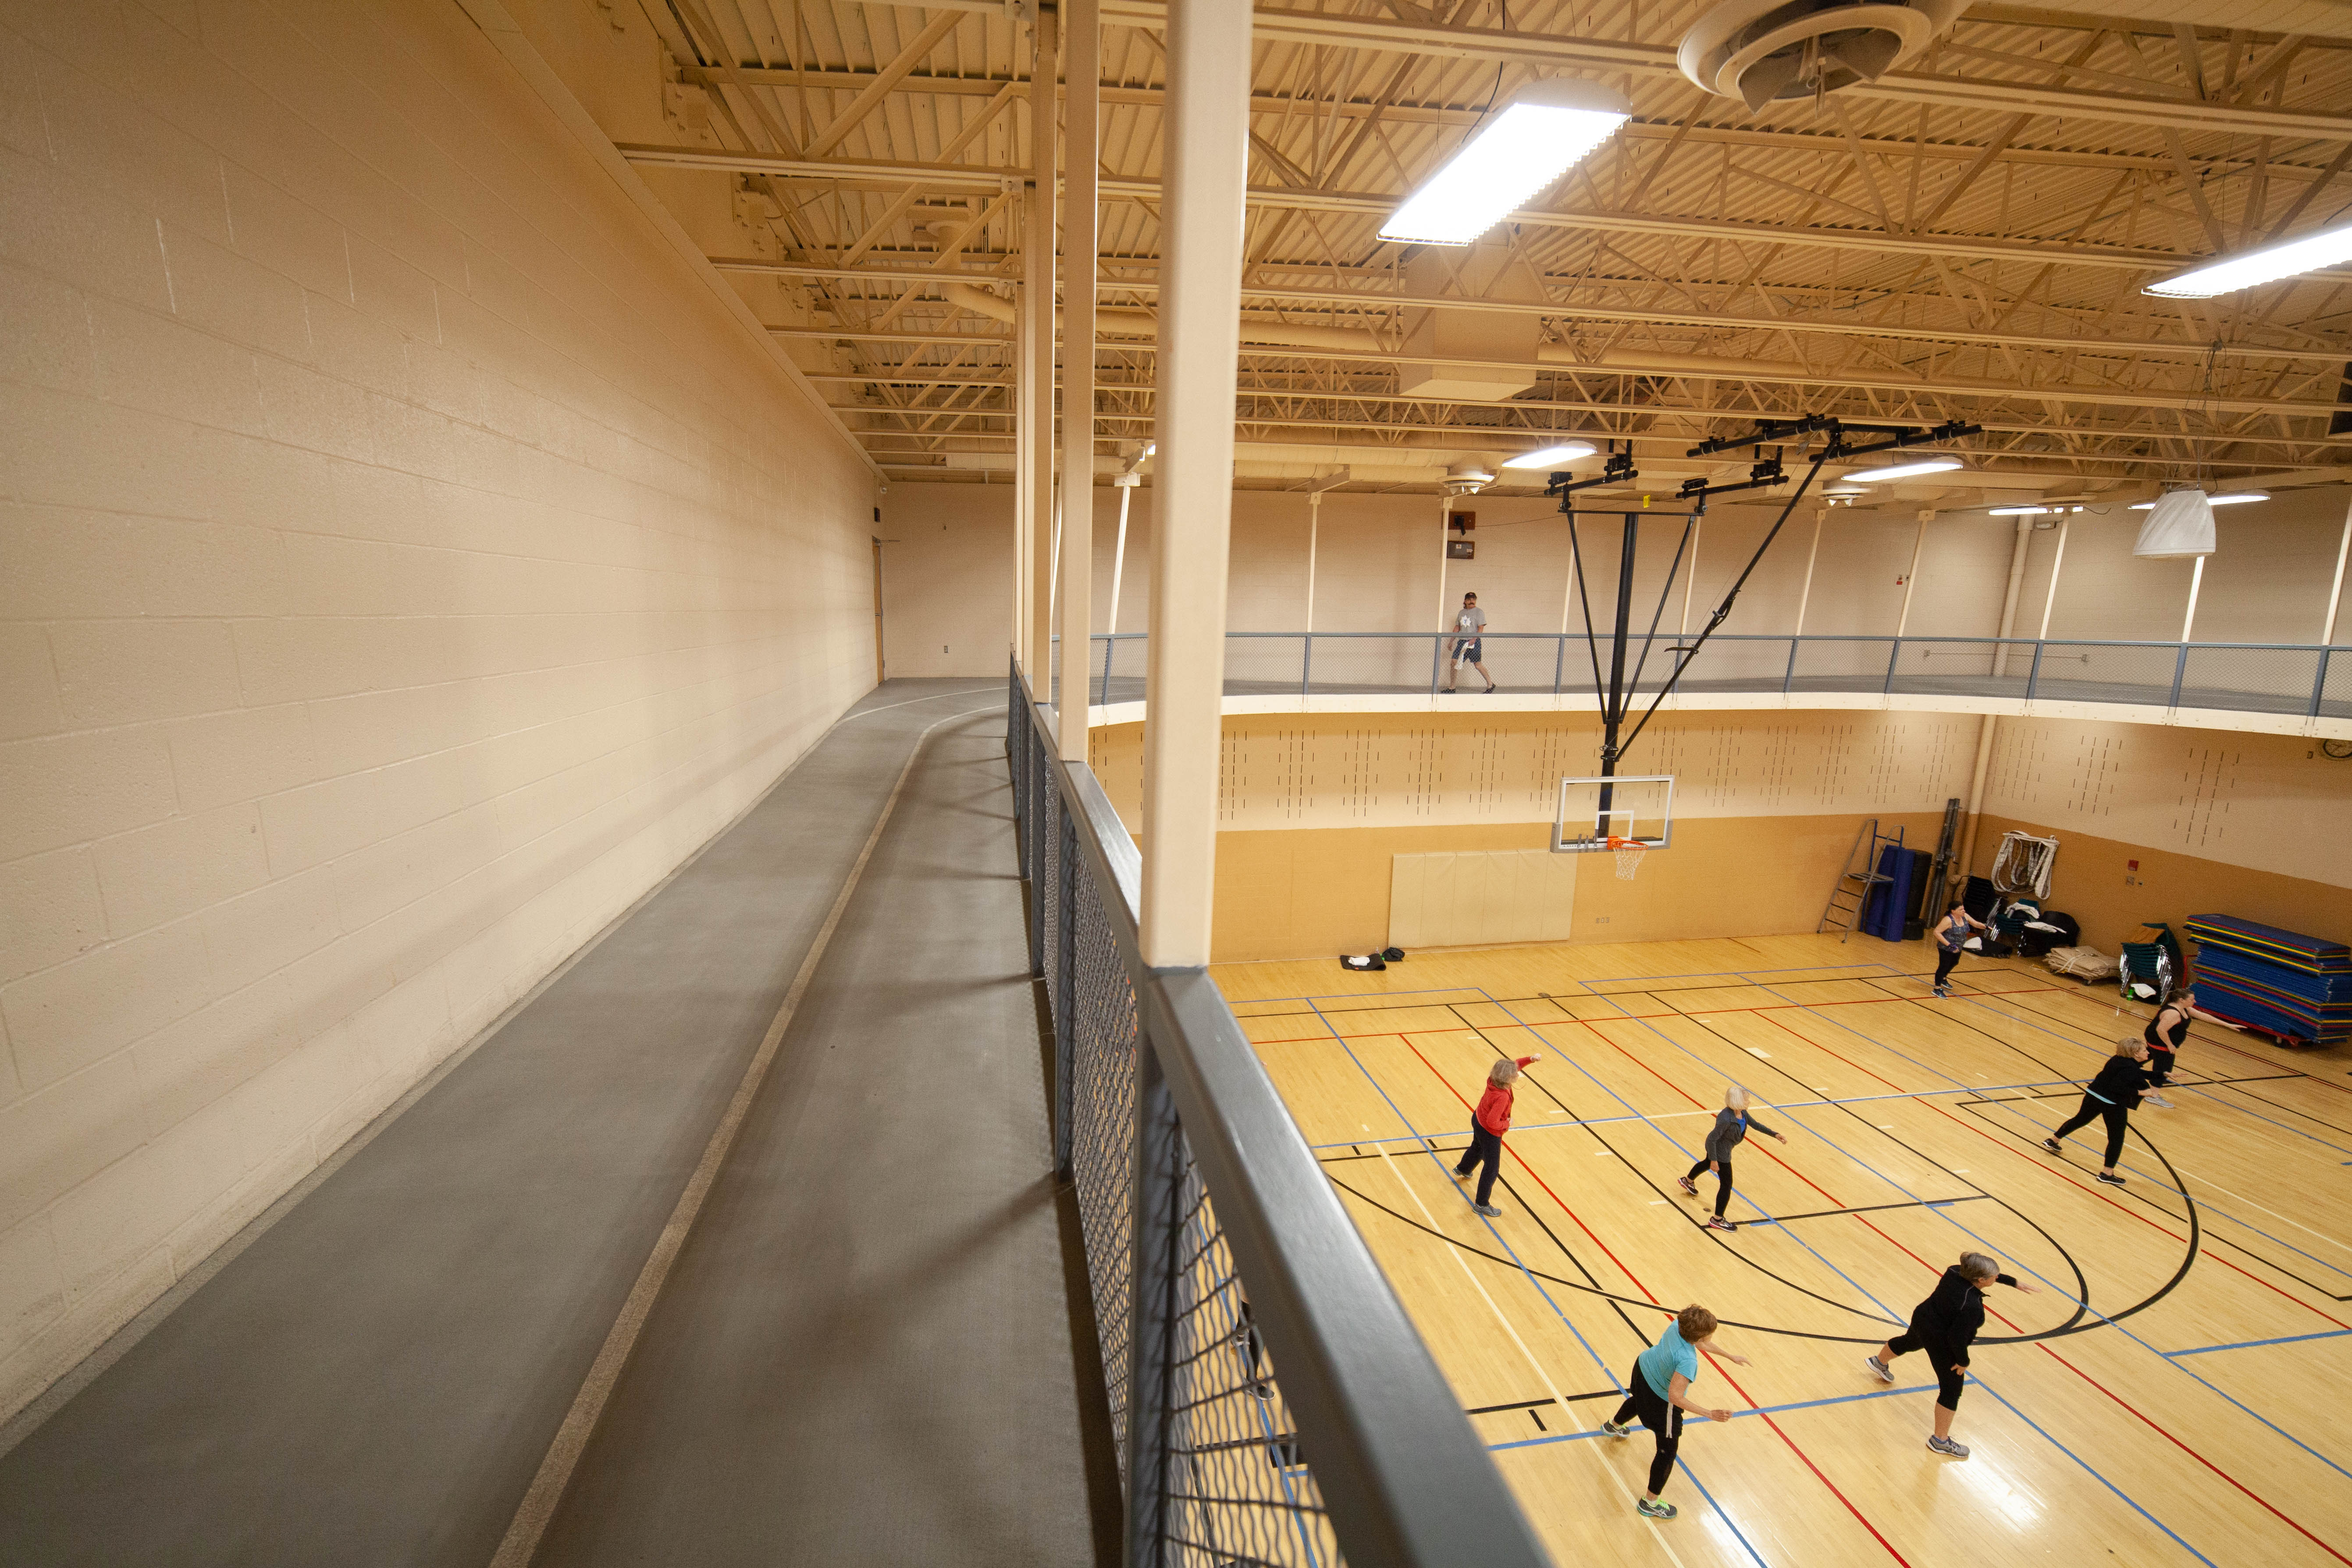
1474	897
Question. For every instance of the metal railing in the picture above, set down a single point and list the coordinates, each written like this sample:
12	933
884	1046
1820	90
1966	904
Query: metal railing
1271	1401
2305	679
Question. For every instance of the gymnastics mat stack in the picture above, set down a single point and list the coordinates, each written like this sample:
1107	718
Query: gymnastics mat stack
2279	981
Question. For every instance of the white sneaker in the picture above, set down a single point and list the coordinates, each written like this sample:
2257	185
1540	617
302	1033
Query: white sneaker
1879	1369
2159	1102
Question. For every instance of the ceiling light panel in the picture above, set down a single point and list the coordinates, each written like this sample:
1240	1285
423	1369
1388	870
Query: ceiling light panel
2272	262
1552	456
1514	157
1903	470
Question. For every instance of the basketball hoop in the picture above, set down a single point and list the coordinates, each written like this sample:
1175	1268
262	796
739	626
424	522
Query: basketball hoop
1628	853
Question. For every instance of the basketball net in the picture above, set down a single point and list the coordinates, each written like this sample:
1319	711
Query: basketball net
1628	853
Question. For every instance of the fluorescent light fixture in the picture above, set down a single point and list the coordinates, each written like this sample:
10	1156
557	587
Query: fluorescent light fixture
2235	498
2028	510
1523	147
2272	262
1903	470
1552	456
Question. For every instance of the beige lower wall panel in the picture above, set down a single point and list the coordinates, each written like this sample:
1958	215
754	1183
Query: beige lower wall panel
2096	880
1470	898
1301	892
404	561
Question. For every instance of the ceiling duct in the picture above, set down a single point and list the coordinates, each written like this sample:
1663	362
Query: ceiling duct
1758	50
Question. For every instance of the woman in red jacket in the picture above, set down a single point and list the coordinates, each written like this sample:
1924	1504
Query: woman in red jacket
1488	1125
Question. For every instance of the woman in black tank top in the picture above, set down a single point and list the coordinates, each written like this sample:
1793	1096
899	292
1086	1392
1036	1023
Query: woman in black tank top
2164	1034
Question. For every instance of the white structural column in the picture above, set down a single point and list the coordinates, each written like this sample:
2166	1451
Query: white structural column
1805	594
1082	50
1206	132
2336	589
1017	404
2050	598
1989	726
1037	395
1911	582
2196	582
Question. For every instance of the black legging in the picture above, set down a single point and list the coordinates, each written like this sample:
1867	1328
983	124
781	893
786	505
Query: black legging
1488	1147
2159	1066
1949	1383
1945	958
1665	1419
1722	1185
2094	1108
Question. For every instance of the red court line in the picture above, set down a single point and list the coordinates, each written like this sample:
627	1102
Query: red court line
1802	1457
2119	1208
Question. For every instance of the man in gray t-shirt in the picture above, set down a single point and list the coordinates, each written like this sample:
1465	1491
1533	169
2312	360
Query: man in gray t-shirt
1469	644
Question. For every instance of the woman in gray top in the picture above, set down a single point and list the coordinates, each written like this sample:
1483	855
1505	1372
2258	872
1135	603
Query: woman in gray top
1731	1125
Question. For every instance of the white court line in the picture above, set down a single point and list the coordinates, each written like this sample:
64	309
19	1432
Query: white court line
536	1510
1560	1403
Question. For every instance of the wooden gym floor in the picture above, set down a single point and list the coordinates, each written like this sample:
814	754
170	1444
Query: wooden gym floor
2176	1394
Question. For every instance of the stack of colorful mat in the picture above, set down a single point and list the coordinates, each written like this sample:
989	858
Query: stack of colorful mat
2279	981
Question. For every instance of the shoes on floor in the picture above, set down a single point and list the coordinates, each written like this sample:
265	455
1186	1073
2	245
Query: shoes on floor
2051	1144
1945	991
1460	1175
1879	1369
1614	1430
1945	1446
1262	1389
1489	1210
2111	1178
1717	1222
1690	1188
1490	688
1655	1510
2157	1101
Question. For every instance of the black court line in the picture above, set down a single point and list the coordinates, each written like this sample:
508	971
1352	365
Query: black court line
2076	1323
1544	1403
1516	1267
2137	1191
1691	1218
1870	1209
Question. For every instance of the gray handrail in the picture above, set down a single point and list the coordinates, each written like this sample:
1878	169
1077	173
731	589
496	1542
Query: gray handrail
1402	1477
2293	680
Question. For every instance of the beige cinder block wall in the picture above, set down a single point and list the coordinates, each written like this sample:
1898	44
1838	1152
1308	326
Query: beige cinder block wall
2254	826
946	579
406	558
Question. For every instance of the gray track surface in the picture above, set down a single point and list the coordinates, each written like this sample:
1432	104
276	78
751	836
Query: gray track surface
863	1354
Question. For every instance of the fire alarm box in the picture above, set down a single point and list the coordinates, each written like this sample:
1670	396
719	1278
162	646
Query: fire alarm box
1461	550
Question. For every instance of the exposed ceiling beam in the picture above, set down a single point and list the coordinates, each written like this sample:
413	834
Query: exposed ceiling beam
1338	30
964	176
1361	299
2088	396
1776	139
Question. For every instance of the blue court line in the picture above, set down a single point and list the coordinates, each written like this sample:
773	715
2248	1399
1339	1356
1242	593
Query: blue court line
1946	1215
1429	1148
2095	1475
1777	1105
2059	1289
1758	1410
2281	1339
1677	1144
1602	980
2215	1210
2241	1109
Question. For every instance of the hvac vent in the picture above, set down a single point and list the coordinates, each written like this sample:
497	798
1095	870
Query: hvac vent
1758	50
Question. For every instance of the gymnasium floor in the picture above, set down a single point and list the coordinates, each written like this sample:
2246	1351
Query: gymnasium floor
2192	1411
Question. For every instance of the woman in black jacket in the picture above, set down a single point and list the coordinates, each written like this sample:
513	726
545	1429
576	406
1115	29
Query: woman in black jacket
1945	1325
2113	1095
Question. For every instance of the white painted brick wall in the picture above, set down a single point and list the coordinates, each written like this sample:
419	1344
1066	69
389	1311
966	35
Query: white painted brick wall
404	561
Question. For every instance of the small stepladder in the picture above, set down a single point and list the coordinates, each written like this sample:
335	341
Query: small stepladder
1850	894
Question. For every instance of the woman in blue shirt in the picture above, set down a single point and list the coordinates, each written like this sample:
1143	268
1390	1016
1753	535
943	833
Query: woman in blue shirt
1658	1393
